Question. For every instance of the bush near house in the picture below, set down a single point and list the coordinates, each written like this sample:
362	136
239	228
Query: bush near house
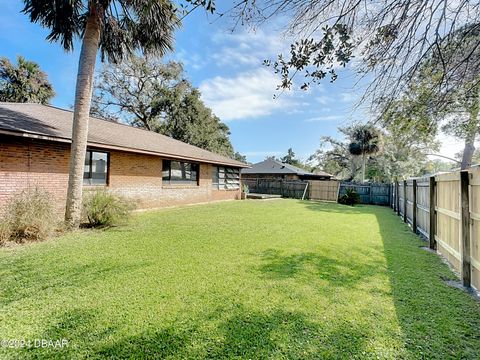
28	216
102	208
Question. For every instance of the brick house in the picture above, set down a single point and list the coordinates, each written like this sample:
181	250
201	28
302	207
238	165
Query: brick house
152	169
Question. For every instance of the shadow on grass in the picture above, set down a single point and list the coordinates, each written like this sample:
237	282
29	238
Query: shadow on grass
437	321
167	342
336	273
282	334
88	338
243	335
31	278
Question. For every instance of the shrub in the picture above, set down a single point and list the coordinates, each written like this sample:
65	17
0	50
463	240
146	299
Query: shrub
4	232
102	208
350	197
29	216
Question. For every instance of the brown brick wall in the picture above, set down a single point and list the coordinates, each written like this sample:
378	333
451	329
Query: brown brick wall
28	162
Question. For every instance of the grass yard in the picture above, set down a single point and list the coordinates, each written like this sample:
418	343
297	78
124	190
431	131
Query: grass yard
248	279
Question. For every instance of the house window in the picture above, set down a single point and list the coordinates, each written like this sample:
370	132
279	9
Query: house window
226	178
179	172
96	168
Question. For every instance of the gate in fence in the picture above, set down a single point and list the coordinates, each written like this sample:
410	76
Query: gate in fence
445	209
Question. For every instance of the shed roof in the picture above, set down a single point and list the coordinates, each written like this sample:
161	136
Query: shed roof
271	166
52	123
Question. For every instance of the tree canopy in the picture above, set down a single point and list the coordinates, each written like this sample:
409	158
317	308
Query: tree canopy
290	158
145	92
431	104
389	39
24	82
401	156
113	27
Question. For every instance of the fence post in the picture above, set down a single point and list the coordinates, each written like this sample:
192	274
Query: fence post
404	200
466	271
433	218
397	198
414	208
391	195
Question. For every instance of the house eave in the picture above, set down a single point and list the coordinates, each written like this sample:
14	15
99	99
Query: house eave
36	136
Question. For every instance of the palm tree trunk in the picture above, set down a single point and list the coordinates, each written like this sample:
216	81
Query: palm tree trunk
81	114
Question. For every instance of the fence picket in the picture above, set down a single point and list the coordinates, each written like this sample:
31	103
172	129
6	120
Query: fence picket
445	210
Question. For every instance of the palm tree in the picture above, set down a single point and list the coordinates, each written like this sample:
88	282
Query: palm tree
365	140
24	82
116	28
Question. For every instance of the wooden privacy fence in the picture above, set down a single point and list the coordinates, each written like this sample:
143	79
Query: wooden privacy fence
445	209
311	189
375	194
323	190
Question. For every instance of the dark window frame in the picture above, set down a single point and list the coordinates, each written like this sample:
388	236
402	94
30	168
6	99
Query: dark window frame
171	182
107	175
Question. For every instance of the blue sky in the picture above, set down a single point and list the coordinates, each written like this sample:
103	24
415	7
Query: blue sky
227	67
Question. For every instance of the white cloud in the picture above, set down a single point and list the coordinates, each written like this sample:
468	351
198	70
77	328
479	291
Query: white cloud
347	97
190	59
324	99
325	118
248	47
246	95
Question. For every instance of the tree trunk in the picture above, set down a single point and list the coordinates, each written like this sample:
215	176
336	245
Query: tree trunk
81	115
472	129
468	151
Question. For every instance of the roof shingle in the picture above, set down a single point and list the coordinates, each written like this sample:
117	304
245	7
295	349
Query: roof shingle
270	166
44	121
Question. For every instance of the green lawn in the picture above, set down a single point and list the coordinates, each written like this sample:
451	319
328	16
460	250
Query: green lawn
248	279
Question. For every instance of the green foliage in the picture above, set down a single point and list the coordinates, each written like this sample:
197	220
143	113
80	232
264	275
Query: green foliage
240	157
443	94
291	159
4	232
345	158
28	216
365	140
127	25
350	197
159	99
102	208
24	82
245	189
301	280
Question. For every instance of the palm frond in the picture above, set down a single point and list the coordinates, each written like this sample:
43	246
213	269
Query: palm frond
126	25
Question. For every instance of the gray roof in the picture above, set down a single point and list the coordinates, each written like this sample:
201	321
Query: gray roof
271	166
51	123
